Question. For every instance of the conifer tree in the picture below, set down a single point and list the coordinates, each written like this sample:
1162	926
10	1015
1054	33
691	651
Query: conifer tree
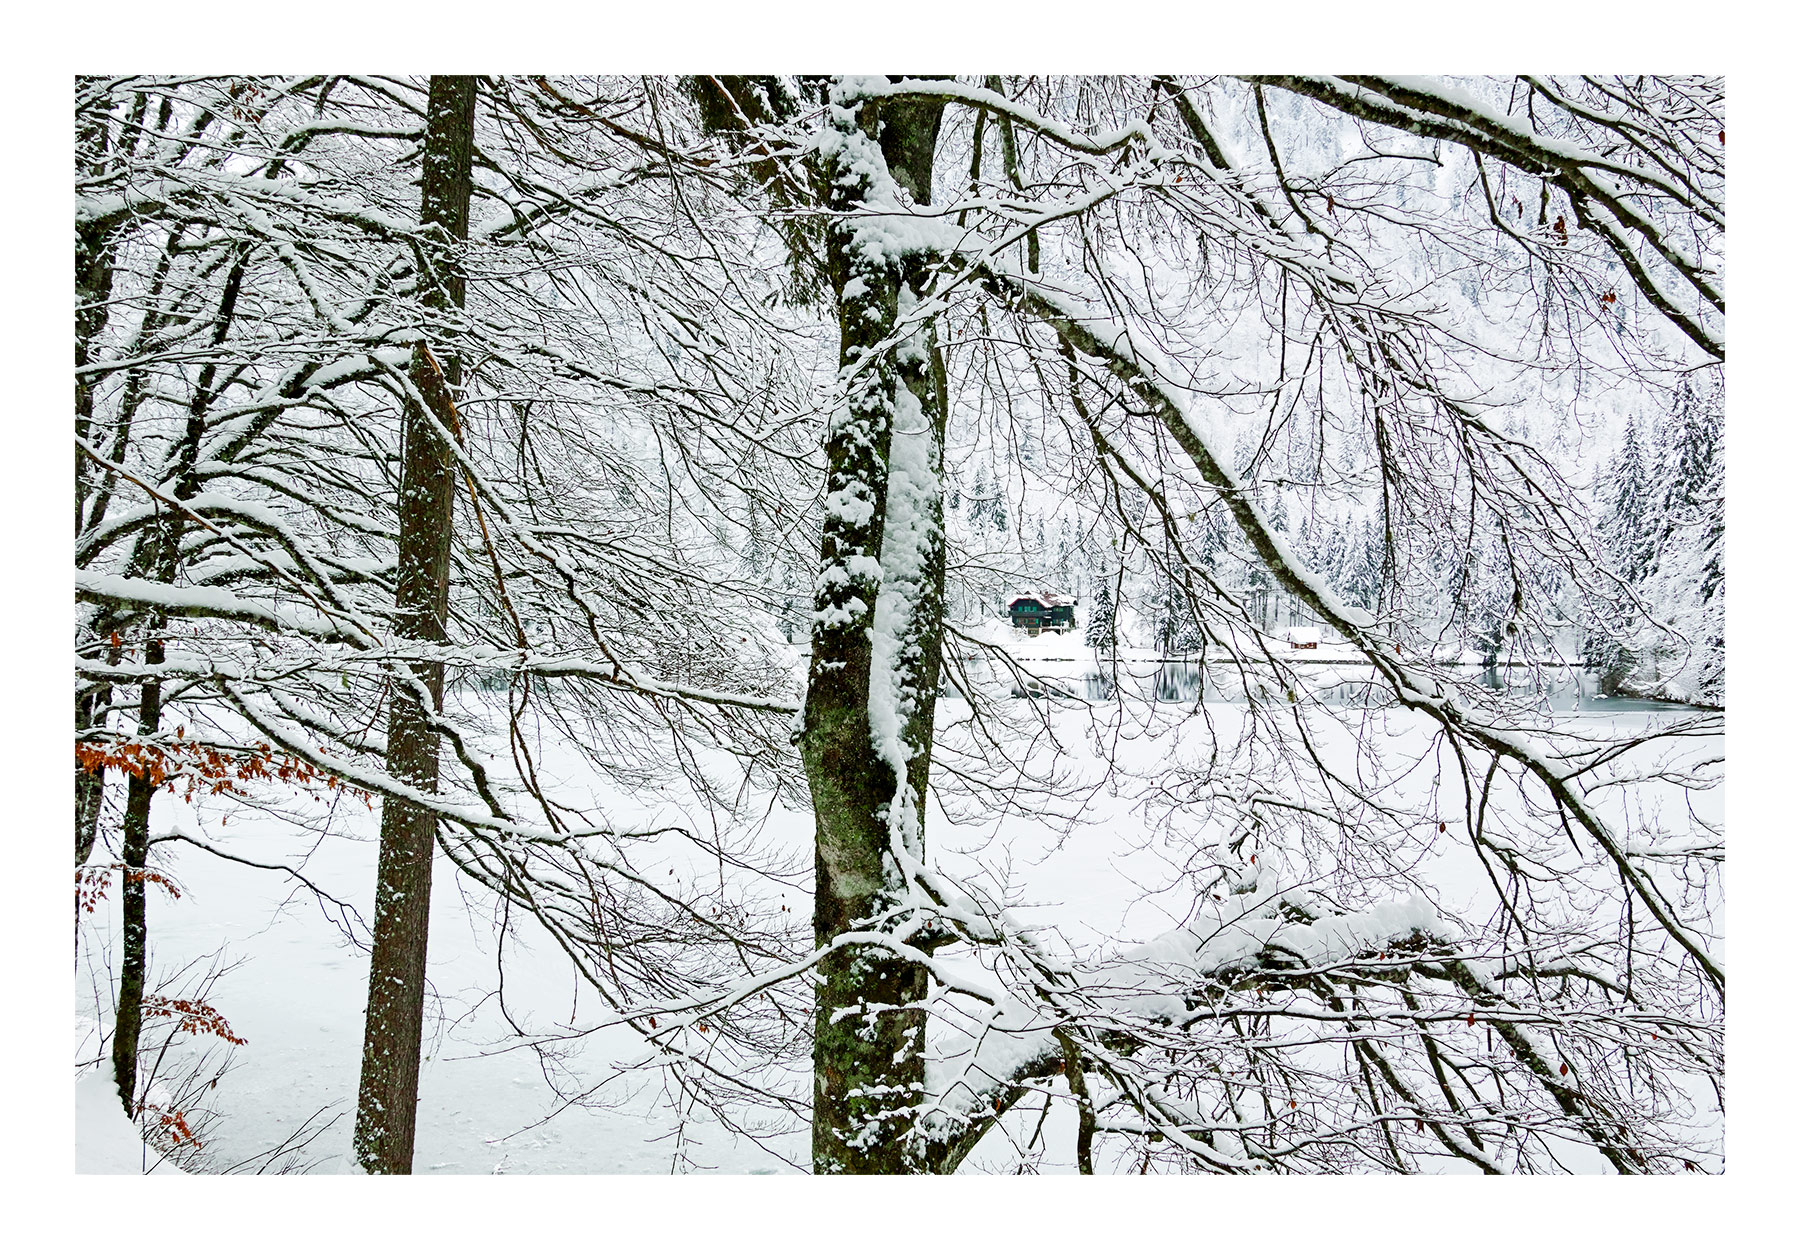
1628	533
1625	499
1685	586
1102	623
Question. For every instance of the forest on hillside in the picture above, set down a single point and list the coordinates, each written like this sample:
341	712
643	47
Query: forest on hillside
557	533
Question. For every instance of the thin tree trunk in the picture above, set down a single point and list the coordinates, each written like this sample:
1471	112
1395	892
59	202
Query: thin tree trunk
1084	1106
134	852
1009	154
387	1099
868	1047
93	286
165	550
91	707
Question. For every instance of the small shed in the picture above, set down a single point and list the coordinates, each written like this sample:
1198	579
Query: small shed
1303	638
1039	610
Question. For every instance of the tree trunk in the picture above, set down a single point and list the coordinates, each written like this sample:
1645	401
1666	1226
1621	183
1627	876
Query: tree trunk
90	710
164	552
884	455
387	1099
93	287
134	852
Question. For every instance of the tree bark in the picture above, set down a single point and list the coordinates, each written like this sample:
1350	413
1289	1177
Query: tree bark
134	852
387	1098
164	552
91	709
868	1047
93	284
93	287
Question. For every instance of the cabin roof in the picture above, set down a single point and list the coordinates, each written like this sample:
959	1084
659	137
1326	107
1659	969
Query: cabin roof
1303	633
1043	598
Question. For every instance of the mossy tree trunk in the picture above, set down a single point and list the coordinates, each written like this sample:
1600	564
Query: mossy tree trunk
881	554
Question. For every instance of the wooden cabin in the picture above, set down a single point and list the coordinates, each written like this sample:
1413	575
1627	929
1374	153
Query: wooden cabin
1303	638
1042	610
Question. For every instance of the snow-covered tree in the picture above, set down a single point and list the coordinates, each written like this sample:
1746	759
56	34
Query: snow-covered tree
1102	632
1363	578
1627	507
258	339
1662	519
1626	525
1164	304
1684	640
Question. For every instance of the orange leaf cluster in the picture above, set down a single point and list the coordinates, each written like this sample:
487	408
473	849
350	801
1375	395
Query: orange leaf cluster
90	886
172	1125
153	877
91	883
201	767
195	1017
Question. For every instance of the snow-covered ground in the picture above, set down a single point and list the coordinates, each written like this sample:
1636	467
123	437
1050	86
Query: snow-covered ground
294	985
107	1143
295	990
